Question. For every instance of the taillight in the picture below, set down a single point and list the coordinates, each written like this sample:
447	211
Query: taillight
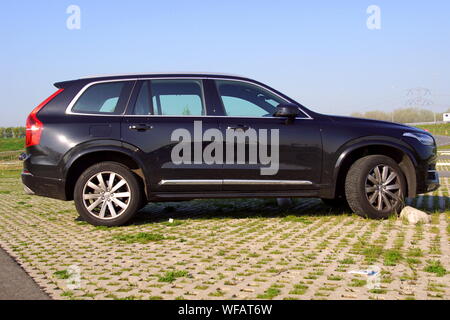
34	126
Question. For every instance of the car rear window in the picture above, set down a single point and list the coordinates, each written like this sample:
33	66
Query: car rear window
101	98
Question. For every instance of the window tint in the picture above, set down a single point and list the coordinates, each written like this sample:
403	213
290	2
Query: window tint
242	99
142	105
100	98
109	105
177	97
235	107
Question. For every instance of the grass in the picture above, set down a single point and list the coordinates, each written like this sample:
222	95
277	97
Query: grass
299	289
372	253
217	293
392	257
269	294
435	266
141	237
348	260
11	144
297	219
62	274
415	252
171	276
378	291
172	224
358	283
446	147
440	129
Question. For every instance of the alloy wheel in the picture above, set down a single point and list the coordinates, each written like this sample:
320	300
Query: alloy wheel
106	195
383	188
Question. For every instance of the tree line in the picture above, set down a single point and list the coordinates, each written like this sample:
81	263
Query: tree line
12	132
405	115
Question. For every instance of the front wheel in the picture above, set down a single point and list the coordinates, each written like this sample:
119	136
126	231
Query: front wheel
107	194
375	187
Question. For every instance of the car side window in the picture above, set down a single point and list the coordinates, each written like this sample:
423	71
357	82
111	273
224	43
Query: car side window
177	97
142	106
242	99
100	98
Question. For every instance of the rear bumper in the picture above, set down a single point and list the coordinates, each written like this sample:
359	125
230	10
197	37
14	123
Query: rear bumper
46	187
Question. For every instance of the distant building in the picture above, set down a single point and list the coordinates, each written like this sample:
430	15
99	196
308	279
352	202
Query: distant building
446	117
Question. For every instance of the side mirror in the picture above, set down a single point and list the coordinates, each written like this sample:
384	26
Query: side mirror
287	110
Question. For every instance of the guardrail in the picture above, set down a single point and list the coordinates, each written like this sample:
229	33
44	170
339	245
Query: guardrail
10	155
425	123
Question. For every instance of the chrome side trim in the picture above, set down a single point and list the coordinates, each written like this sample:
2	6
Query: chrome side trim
189	182
233	182
265	182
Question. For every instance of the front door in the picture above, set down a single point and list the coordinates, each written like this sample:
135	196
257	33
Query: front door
279	154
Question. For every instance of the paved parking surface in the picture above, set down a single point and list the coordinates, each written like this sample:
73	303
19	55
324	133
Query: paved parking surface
15	283
236	249
442	140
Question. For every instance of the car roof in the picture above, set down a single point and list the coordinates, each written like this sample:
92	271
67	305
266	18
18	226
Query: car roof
153	74
105	77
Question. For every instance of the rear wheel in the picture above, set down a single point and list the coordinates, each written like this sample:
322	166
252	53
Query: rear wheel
375	187
107	194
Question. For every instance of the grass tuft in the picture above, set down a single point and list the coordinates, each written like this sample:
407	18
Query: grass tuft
171	276
392	257
141	237
297	219
62	274
269	294
435	266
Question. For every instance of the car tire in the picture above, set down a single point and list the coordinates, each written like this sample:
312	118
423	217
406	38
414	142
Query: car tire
375	187
107	194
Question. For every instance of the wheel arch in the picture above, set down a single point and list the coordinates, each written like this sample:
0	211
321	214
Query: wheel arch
81	160
401	154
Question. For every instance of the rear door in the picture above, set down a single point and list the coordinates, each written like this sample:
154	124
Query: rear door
165	120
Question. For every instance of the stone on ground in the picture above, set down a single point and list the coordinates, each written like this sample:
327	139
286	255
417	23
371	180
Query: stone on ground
414	216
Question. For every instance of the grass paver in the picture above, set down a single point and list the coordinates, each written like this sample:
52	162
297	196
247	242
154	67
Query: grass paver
226	249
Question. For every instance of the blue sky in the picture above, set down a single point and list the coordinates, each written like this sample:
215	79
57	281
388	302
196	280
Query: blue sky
319	52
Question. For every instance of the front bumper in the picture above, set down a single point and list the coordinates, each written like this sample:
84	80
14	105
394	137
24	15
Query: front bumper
432	182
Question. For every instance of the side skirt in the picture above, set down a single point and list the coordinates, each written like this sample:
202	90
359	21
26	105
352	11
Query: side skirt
176	196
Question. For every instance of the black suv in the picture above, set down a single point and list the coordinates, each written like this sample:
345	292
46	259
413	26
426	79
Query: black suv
115	143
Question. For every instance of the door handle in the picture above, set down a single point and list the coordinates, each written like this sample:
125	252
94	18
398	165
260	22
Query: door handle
140	127
239	127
